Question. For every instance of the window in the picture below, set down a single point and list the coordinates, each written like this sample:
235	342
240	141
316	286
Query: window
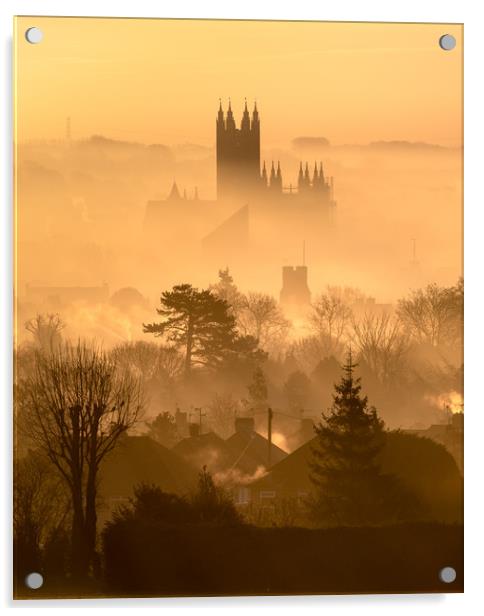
243	496
267	494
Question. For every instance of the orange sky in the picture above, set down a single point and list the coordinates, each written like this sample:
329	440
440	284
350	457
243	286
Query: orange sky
160	80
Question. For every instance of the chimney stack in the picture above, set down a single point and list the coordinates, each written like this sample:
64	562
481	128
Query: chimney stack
194	429
307	428
244	425
181	423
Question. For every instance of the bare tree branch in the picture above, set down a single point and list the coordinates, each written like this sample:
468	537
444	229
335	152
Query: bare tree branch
77	402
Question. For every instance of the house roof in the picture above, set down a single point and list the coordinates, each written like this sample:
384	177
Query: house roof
289	474
249	451
244	451
140	459
174	192
204	450
423	466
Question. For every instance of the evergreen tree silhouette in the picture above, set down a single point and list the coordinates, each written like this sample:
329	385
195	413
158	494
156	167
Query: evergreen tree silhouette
258	389
211	503
351	490
202	324
226	289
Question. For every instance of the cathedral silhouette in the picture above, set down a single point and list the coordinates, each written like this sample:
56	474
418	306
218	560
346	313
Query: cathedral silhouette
250	195
239	172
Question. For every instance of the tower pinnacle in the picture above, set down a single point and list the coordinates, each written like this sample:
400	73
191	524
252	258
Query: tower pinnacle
245	124
264	175
230	118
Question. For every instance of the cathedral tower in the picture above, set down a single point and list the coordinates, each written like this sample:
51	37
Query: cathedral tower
238	155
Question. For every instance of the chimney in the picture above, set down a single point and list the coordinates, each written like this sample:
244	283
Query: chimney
181	423
244	425
194	429
307	428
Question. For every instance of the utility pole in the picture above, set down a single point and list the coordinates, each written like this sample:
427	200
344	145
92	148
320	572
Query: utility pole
200	415
269	436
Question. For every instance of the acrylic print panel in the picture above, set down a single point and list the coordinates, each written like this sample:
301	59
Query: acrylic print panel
239	304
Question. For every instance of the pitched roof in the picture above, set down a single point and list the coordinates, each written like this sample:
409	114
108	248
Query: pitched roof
174	193
207	450
138	459
249	451
423	465
291	473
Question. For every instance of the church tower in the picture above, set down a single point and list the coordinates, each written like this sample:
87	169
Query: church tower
295	293
238	155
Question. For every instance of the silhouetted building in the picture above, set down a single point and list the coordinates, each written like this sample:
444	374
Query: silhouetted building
249	449
295	291
450	435
241	177
238	155
231	237
369	305
235	461
423	466
201	450
181	423
303	434
251	194
136	460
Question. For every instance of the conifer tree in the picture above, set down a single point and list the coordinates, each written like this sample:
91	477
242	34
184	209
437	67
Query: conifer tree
227	290
350	488
201	324
258	389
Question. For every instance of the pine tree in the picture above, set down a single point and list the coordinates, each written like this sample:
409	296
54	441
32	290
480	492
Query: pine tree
211	503
227	290
196	320
297	390
258	389
350	488
203	326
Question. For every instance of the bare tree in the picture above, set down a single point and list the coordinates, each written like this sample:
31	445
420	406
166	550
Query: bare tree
78	405
148	359
157	366
46	330
41	505
329	319
309	351
221	413
382	344
169	363
435	314
351	296
261	318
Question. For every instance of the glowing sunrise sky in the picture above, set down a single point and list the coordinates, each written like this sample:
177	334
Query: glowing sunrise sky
160	80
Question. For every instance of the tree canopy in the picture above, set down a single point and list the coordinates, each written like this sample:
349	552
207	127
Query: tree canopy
75	406
202	324
350	486
435	314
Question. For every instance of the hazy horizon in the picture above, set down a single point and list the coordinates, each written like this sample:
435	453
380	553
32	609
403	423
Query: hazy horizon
349	82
